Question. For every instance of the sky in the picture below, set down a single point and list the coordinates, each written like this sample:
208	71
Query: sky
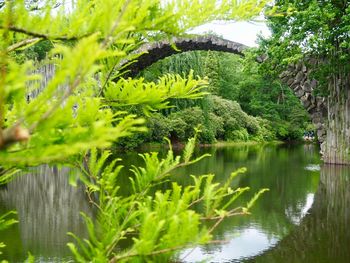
242	32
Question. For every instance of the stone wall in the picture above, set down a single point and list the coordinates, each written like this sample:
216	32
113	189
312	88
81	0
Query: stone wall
298	78
337	146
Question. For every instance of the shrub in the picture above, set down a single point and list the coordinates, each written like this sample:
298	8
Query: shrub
184	122
234	119
265	132
238	135
159	127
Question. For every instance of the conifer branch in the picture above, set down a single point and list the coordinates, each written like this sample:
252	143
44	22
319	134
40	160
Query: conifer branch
23	43
115	25
42	35
162	251
12	135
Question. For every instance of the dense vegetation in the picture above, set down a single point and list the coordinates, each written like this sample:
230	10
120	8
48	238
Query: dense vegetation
317	33
243	103
81	112
317	29
71	123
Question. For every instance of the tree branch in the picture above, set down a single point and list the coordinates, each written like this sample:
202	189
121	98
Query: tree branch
12	135
115	25
162	251
42	35
23	43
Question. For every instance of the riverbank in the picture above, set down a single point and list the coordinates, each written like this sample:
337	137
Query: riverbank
155	146
233	143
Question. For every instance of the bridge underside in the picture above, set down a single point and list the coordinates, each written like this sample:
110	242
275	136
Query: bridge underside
298	78
157	51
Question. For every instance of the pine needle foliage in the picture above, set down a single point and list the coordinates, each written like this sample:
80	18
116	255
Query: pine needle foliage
154	95
71	117
90	38
6	221
155	223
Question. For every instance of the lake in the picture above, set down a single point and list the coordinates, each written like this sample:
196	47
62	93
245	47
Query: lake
303	218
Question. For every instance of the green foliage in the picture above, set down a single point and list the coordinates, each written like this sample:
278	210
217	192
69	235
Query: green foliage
235	120
211	64
179	64
266	131
87	42
264	96
36	52
93	41
153	95
225	121
191	117
160	127
149	219
317	29
5	222
240	87
7	175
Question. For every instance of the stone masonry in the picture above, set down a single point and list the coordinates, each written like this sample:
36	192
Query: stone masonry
152	52
298	78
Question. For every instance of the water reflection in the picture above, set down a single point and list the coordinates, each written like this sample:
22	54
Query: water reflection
48	207
313	167
292	188
297	215
242	244
323	234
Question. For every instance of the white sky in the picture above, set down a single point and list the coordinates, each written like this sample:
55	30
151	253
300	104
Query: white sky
242	32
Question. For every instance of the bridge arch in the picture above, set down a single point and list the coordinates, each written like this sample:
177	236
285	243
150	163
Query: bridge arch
296	76
152	52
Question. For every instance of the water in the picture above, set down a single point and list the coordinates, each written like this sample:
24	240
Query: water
48	208
282	169
303	218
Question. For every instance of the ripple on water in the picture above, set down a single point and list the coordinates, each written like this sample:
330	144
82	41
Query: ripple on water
313	167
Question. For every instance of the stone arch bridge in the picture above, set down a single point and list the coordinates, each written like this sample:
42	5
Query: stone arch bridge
296	76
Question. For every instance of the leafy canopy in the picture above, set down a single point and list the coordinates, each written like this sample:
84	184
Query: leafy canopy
90	39
316	29
70	116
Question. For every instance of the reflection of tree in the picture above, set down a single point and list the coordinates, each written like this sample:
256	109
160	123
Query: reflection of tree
280	168
323	235
48	207
54	205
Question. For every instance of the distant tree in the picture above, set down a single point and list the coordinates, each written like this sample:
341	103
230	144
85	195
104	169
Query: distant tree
316	28
316	33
